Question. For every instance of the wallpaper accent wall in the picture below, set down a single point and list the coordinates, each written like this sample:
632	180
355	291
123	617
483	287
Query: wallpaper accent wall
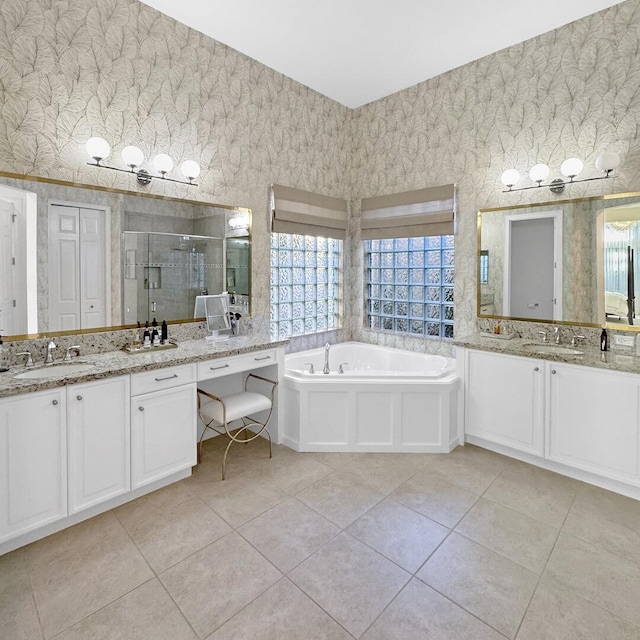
574	91
70	69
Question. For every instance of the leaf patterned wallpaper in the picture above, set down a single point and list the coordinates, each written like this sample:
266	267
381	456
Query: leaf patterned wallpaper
70	69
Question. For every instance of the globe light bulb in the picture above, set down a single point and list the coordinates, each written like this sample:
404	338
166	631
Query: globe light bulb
98	148
163	163
539	173
190	169
571	167
607	161
132	156
510	177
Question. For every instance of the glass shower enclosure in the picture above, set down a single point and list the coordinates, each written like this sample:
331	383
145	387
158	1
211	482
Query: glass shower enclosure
164	272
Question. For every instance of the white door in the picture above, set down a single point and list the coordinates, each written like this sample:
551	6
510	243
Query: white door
163	434
533	287
33	462
99	442
78	293
7	268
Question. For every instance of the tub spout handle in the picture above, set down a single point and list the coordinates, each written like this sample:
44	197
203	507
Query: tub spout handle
340	369
311	369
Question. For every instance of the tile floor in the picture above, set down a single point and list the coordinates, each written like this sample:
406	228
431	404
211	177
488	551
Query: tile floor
466	546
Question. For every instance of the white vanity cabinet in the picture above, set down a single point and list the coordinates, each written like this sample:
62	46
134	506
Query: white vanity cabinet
504	400
594	420
33	461
99	441
163	423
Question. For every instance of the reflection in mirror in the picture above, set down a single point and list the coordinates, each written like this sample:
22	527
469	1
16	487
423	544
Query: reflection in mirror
560	262
81	257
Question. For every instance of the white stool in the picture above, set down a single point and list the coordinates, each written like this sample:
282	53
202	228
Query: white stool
217	412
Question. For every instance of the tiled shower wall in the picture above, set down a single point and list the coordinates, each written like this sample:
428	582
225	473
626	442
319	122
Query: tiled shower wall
116	68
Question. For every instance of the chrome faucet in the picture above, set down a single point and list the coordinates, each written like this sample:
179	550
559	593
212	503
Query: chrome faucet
50	347
556	333
29	361
545	337
67	355
326	369
574	340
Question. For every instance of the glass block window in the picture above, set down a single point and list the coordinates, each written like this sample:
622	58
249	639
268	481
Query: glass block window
305	284
410	285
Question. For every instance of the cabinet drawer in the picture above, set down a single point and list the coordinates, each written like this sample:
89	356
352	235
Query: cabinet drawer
159	379
234	364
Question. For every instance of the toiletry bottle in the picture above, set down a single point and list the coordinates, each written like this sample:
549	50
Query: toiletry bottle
164	332
135	340
155	338
146	337
497	328
4	357
604	340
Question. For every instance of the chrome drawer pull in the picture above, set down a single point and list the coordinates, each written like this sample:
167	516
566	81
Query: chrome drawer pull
78	397
224	366
175	375
140	408
54	402
265	358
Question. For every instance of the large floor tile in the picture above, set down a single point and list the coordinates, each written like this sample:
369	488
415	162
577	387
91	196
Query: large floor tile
69	541
420	612
384	472
606	519
148	507
605	579
282	612
291	474
399	533
78	585
18	615
288	533
494	589
340	497
146	613
534	492
558	614
169	535
350	581
464	472
238	500
213	584
524	540
433	496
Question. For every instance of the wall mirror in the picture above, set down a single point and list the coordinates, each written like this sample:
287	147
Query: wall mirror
565	262
78	257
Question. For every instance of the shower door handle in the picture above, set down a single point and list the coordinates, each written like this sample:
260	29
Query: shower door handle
153	306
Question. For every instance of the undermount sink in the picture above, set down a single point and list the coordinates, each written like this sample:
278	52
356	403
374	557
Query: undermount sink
553	348
54	370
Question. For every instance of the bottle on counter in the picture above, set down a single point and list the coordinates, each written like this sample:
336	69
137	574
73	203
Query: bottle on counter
497	328
604	340
164	332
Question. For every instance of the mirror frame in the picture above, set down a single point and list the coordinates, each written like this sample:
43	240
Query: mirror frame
609	196
80	185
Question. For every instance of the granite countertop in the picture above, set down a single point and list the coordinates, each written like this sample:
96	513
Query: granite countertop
614	360
115	363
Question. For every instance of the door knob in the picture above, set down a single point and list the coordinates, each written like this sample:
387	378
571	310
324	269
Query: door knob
54	402
140	408
78	397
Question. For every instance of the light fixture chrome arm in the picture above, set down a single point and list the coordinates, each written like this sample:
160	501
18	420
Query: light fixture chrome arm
142	176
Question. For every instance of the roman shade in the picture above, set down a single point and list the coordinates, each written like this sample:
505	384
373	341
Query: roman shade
308	214
424	212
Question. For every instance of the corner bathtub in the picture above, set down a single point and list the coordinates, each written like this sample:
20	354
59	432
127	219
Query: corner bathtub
386	400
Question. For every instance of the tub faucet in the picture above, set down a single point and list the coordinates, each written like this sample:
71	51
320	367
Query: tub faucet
325	369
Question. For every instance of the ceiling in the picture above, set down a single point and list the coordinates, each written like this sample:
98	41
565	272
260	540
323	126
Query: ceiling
357	51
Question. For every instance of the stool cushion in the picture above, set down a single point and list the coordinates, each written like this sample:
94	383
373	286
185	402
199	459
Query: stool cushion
238	406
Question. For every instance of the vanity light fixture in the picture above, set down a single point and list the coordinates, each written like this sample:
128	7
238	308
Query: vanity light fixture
239	222
571	168
99	150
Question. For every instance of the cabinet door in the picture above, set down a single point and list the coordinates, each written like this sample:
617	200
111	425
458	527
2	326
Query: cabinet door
33	462
594	420
504	400
163	434
99	442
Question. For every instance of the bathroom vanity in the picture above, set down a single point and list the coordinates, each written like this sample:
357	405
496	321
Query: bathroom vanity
72	447
575	414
